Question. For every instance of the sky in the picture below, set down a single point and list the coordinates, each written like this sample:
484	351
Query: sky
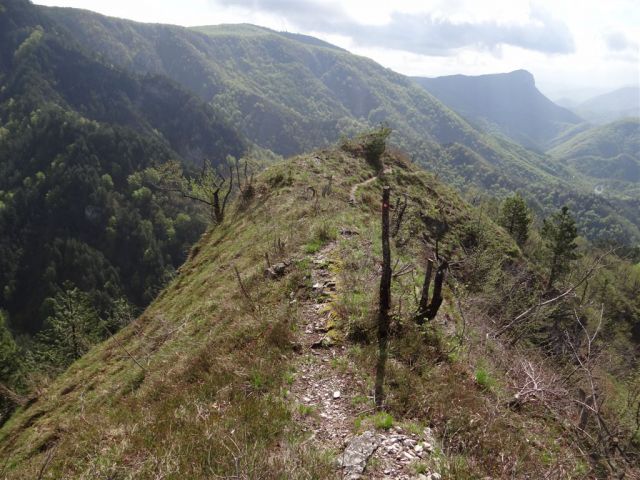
574	48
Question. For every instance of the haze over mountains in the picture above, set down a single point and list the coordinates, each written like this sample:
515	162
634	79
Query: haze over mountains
506	103
608	107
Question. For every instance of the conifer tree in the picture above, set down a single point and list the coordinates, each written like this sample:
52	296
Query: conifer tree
72	329
515	217
559	233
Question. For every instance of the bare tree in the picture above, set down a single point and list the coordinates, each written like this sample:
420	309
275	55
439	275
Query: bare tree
427	310
399	214
210	187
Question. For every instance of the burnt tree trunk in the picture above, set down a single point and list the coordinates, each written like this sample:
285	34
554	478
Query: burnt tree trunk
436	299
421	315
402	207
385	302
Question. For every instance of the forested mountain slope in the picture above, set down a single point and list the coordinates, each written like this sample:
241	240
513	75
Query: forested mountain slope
506	103
608	154
242	370
72	133
290	93
609	151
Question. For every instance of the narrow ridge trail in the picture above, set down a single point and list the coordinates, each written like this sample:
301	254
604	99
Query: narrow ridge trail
354	189
329	395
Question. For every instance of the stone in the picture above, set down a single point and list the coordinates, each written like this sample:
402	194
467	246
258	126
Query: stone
336	394
428	436
276	271
418	448
355	457
434	476
408	456
347	231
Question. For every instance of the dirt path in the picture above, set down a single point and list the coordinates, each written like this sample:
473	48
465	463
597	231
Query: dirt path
354	189
323	388
328	393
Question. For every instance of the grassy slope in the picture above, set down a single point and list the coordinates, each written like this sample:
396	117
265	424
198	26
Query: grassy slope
606	141
212	398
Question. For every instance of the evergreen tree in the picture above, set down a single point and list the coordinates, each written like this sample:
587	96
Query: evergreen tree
515	217
8	353
559	233
72	329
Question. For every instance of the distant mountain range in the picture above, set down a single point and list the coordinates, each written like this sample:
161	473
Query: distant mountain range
616	105
506	103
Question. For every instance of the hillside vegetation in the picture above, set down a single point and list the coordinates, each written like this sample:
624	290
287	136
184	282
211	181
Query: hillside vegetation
608	152
291	93
73	134
216	378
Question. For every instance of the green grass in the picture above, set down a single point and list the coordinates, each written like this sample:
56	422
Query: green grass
383	421
313	247
306	410
213	402
484	379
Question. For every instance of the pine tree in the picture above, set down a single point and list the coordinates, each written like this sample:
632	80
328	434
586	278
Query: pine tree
515	217
72	329
559	233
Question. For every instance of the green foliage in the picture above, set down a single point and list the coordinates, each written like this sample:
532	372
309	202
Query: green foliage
375	143
515	216
290	93
75	135
70	331
382	420
483	378
559	233
8	353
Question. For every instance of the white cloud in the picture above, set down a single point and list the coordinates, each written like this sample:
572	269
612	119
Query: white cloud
564	43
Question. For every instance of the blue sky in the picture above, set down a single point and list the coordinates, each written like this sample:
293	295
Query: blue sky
574	48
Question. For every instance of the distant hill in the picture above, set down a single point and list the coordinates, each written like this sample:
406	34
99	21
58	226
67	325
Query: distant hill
621	103
506	103
607	152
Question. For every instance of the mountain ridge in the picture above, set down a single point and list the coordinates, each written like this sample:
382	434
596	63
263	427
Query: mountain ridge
508	102
290	97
